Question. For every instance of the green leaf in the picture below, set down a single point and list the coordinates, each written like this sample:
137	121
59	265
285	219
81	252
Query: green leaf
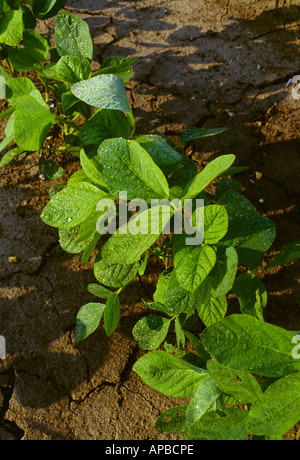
112	313
228	185
288	253
161	152
228	424
114	275
6	141
245	288
88	319
223	274
51	169
29	21
198	133
151	331
44	9
99	291
104	124
103	91
204	399
10	156
69	103
126	245
215	223
125	165
32	123
21	86
180	337
73	36
11	28
73	69
249	232
169	375
198	346
34	52
179	300
209	173
117	66
277	409
72	205
239	384
88	251
78	176
192	263
91	168
68	240
243	342
213	311
172	420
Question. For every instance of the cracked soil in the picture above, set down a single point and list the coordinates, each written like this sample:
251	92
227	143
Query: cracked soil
205	63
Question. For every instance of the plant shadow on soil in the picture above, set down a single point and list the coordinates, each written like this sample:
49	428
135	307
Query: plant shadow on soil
38	308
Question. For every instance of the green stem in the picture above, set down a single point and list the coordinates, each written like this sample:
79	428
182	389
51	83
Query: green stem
11	70
132	122
66	122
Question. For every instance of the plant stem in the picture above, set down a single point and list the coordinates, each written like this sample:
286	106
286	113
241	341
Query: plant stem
66	122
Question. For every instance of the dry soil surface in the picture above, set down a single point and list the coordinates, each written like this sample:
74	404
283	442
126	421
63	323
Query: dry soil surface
205	63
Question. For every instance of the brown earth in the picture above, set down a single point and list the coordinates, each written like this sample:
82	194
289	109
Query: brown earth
206	63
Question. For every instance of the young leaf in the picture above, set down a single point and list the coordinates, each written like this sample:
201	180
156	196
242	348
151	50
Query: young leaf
249	232
172	420
287	254
73	36
179	300
32	123
204	399
180	337
103	91
209	173
126	245
99	291
104	124
277	409
72	205
192	263
223	274
112	313
51	169
198	133
68	240
34	52
11	28
114	275
88	319
245	343
117	66
239	384
215	223
125	165
169	375
198	346
73	69
29	21
151	331
245	287
224	425
161	152
91	168
44	9
6	141
21	86
10	156
214	311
